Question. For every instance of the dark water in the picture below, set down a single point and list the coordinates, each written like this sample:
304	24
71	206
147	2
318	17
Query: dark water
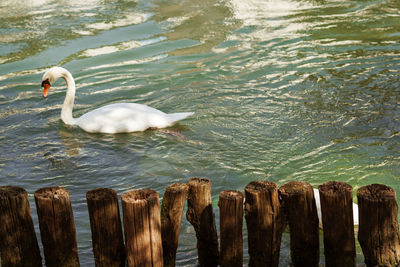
282	90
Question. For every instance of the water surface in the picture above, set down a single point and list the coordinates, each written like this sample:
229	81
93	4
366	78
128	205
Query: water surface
282	90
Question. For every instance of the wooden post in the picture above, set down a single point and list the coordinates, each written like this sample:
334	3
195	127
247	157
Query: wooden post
301	214
231	225
105	223
172	206
57	227
338	224
141	212
265	223
378	230
200	214
18	245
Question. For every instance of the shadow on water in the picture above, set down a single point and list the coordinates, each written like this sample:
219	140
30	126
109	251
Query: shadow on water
207	22
34	26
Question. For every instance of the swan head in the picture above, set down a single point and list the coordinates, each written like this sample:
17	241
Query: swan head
50	77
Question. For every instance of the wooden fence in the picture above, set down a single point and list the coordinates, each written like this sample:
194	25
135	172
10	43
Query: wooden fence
151	233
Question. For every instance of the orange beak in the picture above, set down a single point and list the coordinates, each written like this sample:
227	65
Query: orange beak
46	88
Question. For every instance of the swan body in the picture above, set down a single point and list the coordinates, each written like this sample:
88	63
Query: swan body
114	118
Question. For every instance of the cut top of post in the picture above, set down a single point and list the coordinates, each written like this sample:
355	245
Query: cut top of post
335	187
101	194
295	188
199	195
376	192
258	186
11	191
51	192
136	196
178	187
231	194
199	181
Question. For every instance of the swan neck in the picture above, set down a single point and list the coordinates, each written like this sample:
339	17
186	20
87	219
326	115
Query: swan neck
66	111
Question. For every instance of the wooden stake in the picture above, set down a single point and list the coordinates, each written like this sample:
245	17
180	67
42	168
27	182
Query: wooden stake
337	220
378	230
265	223
18	246
231	225
142	228
301	214
105	223
57	227
172	206
200	214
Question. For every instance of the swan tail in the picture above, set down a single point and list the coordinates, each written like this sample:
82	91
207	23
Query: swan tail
174	117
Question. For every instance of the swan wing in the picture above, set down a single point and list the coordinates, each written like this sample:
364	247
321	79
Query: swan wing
123	117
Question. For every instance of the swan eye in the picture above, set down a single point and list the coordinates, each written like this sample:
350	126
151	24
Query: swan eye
45	82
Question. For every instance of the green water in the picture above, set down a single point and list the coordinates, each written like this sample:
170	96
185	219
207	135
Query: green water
281	89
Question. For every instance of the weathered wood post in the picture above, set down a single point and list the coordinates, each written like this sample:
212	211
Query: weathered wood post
200	214
105	223
57	227
231	225
338	224
301	214
18	245
141	217
378	230
265	223
172	206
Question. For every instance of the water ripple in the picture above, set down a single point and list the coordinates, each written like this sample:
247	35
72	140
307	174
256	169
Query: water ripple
281	90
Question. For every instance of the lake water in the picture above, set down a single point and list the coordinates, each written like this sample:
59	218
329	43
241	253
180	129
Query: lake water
282	90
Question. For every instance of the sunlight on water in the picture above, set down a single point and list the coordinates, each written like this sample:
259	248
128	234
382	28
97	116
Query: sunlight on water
272	16
122	46
281	90
130	19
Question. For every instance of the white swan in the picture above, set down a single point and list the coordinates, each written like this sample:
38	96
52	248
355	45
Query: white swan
114	118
